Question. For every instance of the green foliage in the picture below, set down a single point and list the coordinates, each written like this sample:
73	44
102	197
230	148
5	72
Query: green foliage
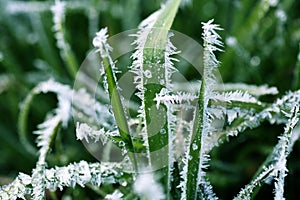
41	43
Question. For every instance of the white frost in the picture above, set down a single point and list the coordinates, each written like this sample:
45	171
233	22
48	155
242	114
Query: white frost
147	188
116	195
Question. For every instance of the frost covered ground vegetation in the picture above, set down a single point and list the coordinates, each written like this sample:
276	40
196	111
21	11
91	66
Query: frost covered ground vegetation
201	138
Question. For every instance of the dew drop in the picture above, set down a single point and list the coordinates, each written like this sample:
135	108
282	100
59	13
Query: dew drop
255	61
220	141
121	143
231	41
195	147
124	184
163	131
80	115
148	74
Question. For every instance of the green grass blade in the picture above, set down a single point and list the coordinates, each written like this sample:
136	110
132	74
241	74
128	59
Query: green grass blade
197	154
22	122
100	42
194	157
155	76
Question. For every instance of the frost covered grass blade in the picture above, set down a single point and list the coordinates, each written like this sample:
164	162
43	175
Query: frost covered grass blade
153	68
196	156
109	72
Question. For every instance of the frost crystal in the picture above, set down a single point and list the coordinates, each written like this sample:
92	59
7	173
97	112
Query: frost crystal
114	196
84	131
212	43
251	89
137	68
100	42
17	189
192	184
58	10
235	96
278	157
211	37
59	177
181	98
147	188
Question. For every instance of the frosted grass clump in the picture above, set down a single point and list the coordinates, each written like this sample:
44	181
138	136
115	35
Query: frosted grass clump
167	141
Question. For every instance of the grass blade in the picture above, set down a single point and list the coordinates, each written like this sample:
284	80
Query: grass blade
153	75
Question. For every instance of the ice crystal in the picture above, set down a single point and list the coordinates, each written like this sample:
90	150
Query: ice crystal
185	159
272	113
141	75
37	182
59	177
212	43
141	38
81	173
116	195
17	189
207	191
45	132
147	188
84	131
181	98
283	152
58	10
85	104
82	102
245	193
251	89
235	96
211	38
277	170
170	51
100	42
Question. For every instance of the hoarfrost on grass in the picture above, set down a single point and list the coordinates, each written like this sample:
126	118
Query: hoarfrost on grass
147	187
116	195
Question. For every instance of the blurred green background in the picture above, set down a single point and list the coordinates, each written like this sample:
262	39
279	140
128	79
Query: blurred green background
261	47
